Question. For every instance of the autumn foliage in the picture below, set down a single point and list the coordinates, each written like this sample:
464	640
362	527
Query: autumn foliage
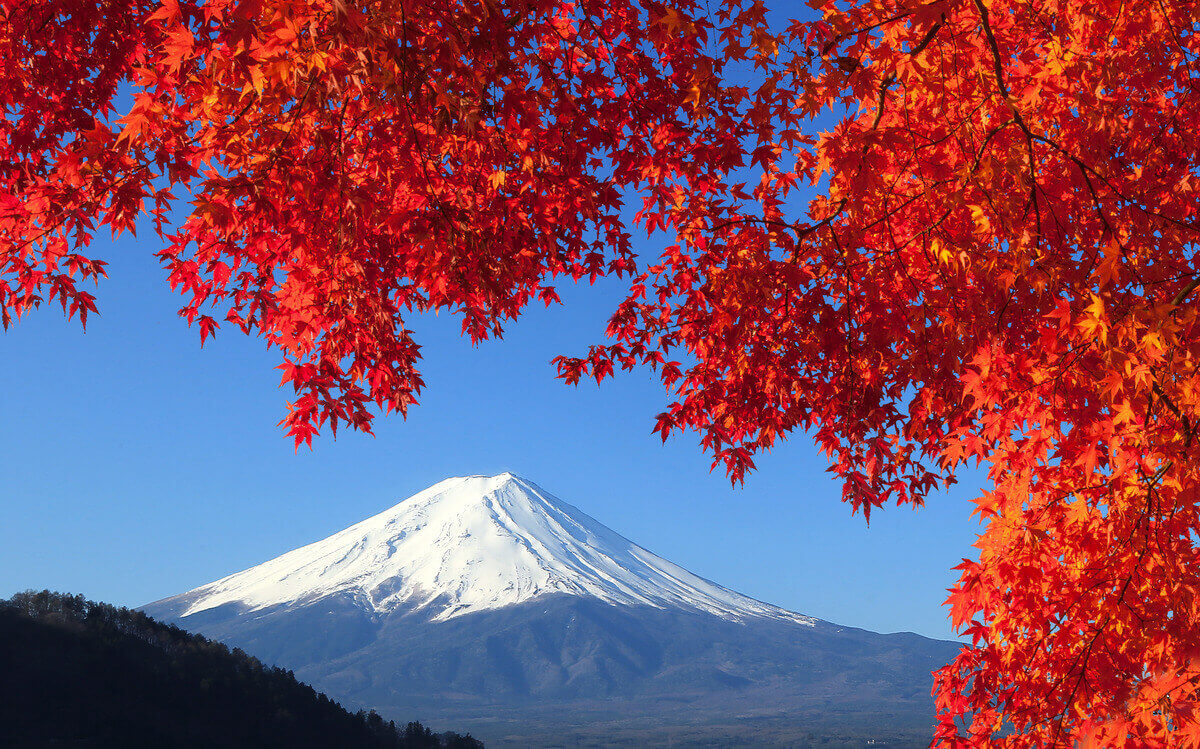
924	233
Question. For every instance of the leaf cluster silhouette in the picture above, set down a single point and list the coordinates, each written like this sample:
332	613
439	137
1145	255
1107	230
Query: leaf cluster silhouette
998	264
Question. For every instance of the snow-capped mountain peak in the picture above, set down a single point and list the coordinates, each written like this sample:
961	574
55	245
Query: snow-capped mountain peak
475	543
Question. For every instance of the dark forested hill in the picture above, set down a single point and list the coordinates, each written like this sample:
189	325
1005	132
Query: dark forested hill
84	674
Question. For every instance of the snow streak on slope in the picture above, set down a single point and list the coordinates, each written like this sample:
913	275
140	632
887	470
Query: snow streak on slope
472	544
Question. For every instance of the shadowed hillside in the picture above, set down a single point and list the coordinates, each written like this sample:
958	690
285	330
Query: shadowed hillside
85	674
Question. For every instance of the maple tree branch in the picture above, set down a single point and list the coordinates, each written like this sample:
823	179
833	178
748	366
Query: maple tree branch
998	70
933	30
1174	36
50	14
997	59
1153	482
1085	657
275	152
884	85
1170	404
1185	292
416	137
867	29
988	139
1189	225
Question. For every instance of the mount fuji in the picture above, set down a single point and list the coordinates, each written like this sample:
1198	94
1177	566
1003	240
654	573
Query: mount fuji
489	604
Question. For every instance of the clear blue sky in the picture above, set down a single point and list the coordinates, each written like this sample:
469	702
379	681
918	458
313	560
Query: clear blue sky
137	465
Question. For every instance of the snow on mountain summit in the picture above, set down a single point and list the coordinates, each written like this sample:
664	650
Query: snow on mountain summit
476	543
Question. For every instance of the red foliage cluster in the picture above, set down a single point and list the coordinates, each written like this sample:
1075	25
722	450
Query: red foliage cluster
999	265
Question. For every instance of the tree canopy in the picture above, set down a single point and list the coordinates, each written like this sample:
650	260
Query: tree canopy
998	265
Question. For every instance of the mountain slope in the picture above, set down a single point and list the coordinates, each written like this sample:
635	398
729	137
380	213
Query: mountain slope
471	544
488	603
565	665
